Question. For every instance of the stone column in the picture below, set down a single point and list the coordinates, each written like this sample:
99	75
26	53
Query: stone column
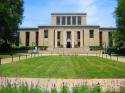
81	39
72	39
64	39
55	39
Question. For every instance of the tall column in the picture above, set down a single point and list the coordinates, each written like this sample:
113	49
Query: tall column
81	39
64	39
72	39
55	39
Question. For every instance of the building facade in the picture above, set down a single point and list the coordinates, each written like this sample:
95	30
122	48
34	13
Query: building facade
68	30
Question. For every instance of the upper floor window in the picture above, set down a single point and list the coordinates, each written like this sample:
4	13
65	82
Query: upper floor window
91	33
68	35
58	35
45	33
68	20
58	20
63	20
79	20
78	35
74	20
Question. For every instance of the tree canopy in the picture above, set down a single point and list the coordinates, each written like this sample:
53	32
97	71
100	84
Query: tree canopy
11	14
119	36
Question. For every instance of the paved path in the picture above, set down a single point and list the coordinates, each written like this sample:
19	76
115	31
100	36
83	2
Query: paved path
106	84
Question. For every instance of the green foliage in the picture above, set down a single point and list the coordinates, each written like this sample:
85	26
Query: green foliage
54	90
25	89
23	48
111	50
11	14
64	89
95	48
119	35
43	47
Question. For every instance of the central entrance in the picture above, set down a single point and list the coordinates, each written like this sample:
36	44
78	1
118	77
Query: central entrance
68	44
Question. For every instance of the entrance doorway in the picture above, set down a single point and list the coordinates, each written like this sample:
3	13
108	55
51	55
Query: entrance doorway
68	45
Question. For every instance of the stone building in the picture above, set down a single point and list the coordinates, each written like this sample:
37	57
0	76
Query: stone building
68	30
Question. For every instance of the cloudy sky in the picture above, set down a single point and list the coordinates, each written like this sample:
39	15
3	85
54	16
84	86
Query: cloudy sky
99	12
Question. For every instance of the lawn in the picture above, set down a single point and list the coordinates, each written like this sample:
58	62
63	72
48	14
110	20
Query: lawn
65	67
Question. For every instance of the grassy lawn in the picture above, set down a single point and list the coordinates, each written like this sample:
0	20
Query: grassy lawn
8	55
65	67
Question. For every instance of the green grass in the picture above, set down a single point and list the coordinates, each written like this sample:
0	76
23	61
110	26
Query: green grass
6	55
65	67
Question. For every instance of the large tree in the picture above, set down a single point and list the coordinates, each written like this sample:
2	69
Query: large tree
11	14
119	36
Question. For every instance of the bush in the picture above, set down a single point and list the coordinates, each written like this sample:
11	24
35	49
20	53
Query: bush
111	50
23	48
95	48
43	47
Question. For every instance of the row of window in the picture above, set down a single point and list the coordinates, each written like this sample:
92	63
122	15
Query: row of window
91	35
61	20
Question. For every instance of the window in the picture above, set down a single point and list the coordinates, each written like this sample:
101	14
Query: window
79	20
110	39
58	35
100	38
37	38
74	20
68	35
27	38
45	33
68	20
63	20
78	35
91	33
58	20
18	38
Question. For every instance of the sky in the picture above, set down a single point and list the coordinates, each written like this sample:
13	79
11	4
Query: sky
99	12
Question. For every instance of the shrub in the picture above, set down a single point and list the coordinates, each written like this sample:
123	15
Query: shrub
95	48
111	50
43	47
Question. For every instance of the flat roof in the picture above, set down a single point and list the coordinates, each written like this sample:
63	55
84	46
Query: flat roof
68	14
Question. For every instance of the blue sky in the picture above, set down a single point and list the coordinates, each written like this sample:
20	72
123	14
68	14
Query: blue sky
99	12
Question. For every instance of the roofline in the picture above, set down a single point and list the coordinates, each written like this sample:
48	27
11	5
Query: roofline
68	13
94	26
28	28
108	28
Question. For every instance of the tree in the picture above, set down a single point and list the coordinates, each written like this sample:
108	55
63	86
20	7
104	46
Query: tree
11	14
119	35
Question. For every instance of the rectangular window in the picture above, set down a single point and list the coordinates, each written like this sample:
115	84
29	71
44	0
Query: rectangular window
100	38
58	35
37	38
18	39
110	39
68	35
74	20
78	35
45	33
63	20
91	33
58	20
68	20
79	20
27	38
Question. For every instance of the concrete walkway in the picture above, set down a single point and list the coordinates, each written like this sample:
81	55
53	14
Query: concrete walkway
106	84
